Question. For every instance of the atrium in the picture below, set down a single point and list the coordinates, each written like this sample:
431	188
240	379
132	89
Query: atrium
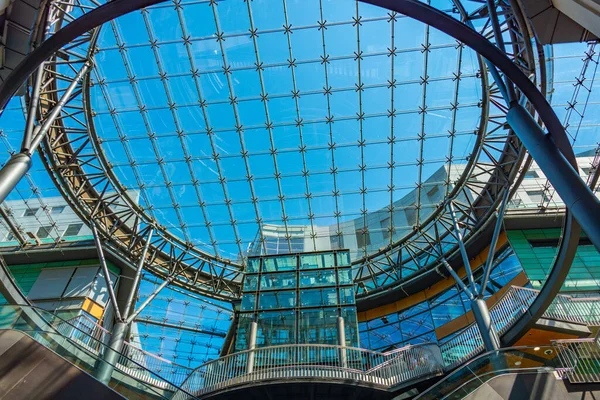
301	199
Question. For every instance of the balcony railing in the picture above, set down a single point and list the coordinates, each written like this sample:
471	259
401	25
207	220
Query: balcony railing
512	305
384	370
317	362
133	360
580	359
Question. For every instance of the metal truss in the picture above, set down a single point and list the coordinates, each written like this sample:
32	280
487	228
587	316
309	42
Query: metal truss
473	199
73	154
87	186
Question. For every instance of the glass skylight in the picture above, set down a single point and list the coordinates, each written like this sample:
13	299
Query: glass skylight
277	126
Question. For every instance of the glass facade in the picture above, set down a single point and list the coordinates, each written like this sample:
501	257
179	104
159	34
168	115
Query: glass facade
231	150
298	299
180	326
418	323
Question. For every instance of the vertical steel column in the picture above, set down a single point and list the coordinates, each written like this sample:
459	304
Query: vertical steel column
457	279
251	347
106	365
484	322
576	195
481	312
33	103
341	334
463	250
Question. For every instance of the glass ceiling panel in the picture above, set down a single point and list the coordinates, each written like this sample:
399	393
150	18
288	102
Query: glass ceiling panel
314	117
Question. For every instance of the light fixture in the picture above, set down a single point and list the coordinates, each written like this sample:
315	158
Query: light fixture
536	349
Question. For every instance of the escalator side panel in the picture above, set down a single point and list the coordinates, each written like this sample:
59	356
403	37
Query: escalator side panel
28	370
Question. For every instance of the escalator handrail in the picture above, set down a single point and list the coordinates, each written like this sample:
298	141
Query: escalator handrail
498	372
42	312
472	361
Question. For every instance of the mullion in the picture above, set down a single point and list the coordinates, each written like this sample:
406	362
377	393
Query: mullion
209	129
239	127
302	147
181	133
269	125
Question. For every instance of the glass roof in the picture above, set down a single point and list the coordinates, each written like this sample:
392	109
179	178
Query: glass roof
275	126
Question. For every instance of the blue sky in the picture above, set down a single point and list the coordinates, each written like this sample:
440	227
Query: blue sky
314	106
326	82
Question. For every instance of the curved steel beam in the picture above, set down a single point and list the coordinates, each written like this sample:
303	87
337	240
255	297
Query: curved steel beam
557	137
99	20
411	8
70	32
452	27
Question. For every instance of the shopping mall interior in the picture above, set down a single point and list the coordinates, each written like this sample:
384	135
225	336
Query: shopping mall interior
199	200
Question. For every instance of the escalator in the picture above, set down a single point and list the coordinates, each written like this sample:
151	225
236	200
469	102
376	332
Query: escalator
29	370
65	347
527	362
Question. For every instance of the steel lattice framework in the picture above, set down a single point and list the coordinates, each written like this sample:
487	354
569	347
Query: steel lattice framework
73	154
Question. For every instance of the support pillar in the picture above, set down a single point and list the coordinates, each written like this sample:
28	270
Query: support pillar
14	170
251	347
483	319
106	365
342	341
576	195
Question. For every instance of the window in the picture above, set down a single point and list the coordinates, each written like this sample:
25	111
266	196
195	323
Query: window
337	241
30	212
516	202
297	244
44	231
411	216
362	238
538	196
531	174
73	229
58	210
10	237
385	229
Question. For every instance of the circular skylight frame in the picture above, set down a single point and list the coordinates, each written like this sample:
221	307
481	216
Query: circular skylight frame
221	277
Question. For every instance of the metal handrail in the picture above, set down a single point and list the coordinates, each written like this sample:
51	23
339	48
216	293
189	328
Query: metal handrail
317	361
468	366
580	359
367	366
134	360
65	330
511	305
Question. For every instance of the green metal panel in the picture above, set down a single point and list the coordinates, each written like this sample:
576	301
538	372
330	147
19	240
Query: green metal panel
536	261
26	274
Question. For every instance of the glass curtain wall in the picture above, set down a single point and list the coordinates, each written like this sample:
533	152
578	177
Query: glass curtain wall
298	299
418	323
